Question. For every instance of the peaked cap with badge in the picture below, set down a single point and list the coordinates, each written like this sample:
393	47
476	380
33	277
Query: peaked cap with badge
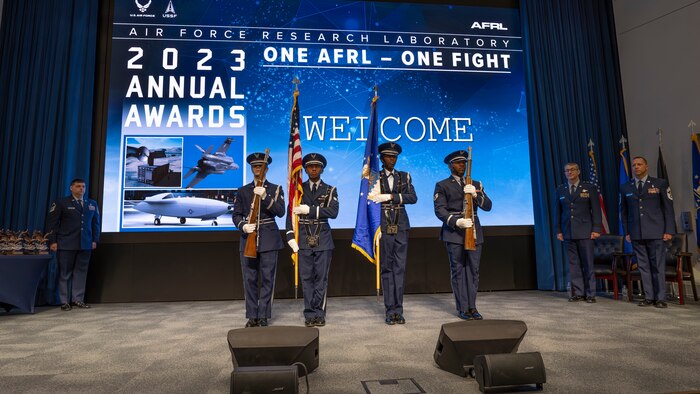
258	158
314	158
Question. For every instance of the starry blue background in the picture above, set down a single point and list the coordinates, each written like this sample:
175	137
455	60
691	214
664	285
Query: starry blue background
494	102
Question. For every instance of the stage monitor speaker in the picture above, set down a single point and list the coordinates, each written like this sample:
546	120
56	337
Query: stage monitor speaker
277	345
496	372
274	379
460	342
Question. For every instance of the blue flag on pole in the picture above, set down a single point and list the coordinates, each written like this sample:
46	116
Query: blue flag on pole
696	183
624	178
366	236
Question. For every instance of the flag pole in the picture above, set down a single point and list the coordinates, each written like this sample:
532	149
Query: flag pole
295	218
378	251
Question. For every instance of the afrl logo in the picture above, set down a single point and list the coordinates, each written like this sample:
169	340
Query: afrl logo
170	10
488	25
143	7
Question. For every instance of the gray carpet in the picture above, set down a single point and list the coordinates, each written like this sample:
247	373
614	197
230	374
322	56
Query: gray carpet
611	346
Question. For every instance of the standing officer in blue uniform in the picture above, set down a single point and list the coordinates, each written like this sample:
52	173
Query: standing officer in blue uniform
258	300
74	222
396	189
646	207
318	204
448	200
579	222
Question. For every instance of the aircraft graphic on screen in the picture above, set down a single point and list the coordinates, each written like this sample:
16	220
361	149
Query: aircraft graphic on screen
212	163
183	208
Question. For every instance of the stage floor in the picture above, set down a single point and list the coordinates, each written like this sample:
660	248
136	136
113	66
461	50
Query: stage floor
181	347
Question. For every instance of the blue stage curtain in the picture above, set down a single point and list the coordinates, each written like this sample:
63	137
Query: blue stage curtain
47	68
574	94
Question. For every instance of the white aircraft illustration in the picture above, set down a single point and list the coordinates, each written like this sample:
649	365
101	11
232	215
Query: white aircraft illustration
166	204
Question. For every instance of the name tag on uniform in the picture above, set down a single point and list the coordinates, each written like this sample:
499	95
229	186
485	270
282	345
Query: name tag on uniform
91	207
628	195
561	198
653	190
70	207
584	195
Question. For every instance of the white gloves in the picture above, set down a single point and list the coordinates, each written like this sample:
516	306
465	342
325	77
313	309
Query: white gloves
293	244
470	189
378	198
302	209
260	191
464	223
248	228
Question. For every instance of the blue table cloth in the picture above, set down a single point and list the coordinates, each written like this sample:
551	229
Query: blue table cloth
19	278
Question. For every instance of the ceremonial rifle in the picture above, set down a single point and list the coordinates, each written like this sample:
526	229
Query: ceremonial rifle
469	233
251	243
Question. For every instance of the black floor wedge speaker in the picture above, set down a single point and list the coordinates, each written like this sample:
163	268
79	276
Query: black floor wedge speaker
460	342
278	379
496	372
272	346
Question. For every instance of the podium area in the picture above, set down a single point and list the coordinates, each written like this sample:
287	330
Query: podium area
138	267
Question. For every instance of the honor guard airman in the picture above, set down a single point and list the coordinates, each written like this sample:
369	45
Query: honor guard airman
448	199
579	222
258	300
396	191
315	247
74	225
646	209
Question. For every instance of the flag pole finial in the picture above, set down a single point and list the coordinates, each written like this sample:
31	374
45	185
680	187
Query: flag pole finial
691	126
296	83
376	90
660	133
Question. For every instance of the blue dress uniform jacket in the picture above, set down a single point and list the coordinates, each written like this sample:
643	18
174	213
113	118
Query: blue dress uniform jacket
402	193
448	201
449	206
315	262
578	215
271	206
394	247
258	298
646	217
323	205
649	214
72	226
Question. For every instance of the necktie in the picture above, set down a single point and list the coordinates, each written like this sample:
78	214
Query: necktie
81	203
572	190
313	189
639	187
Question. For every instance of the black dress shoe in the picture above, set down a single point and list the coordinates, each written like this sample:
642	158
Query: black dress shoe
575	298
398	318
661	304
251	323
590	300
310	322
319	322
465	316
646	303
475	314
66	307
81	304
262	322
390	320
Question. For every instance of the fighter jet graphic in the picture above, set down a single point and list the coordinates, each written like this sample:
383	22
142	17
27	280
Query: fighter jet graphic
212	163
166	204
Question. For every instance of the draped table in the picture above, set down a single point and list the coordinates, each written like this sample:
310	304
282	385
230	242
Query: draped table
19	279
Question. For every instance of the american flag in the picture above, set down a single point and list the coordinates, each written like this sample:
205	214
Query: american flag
294	167
593	173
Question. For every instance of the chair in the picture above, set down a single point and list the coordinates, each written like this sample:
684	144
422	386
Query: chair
679	266
608	259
